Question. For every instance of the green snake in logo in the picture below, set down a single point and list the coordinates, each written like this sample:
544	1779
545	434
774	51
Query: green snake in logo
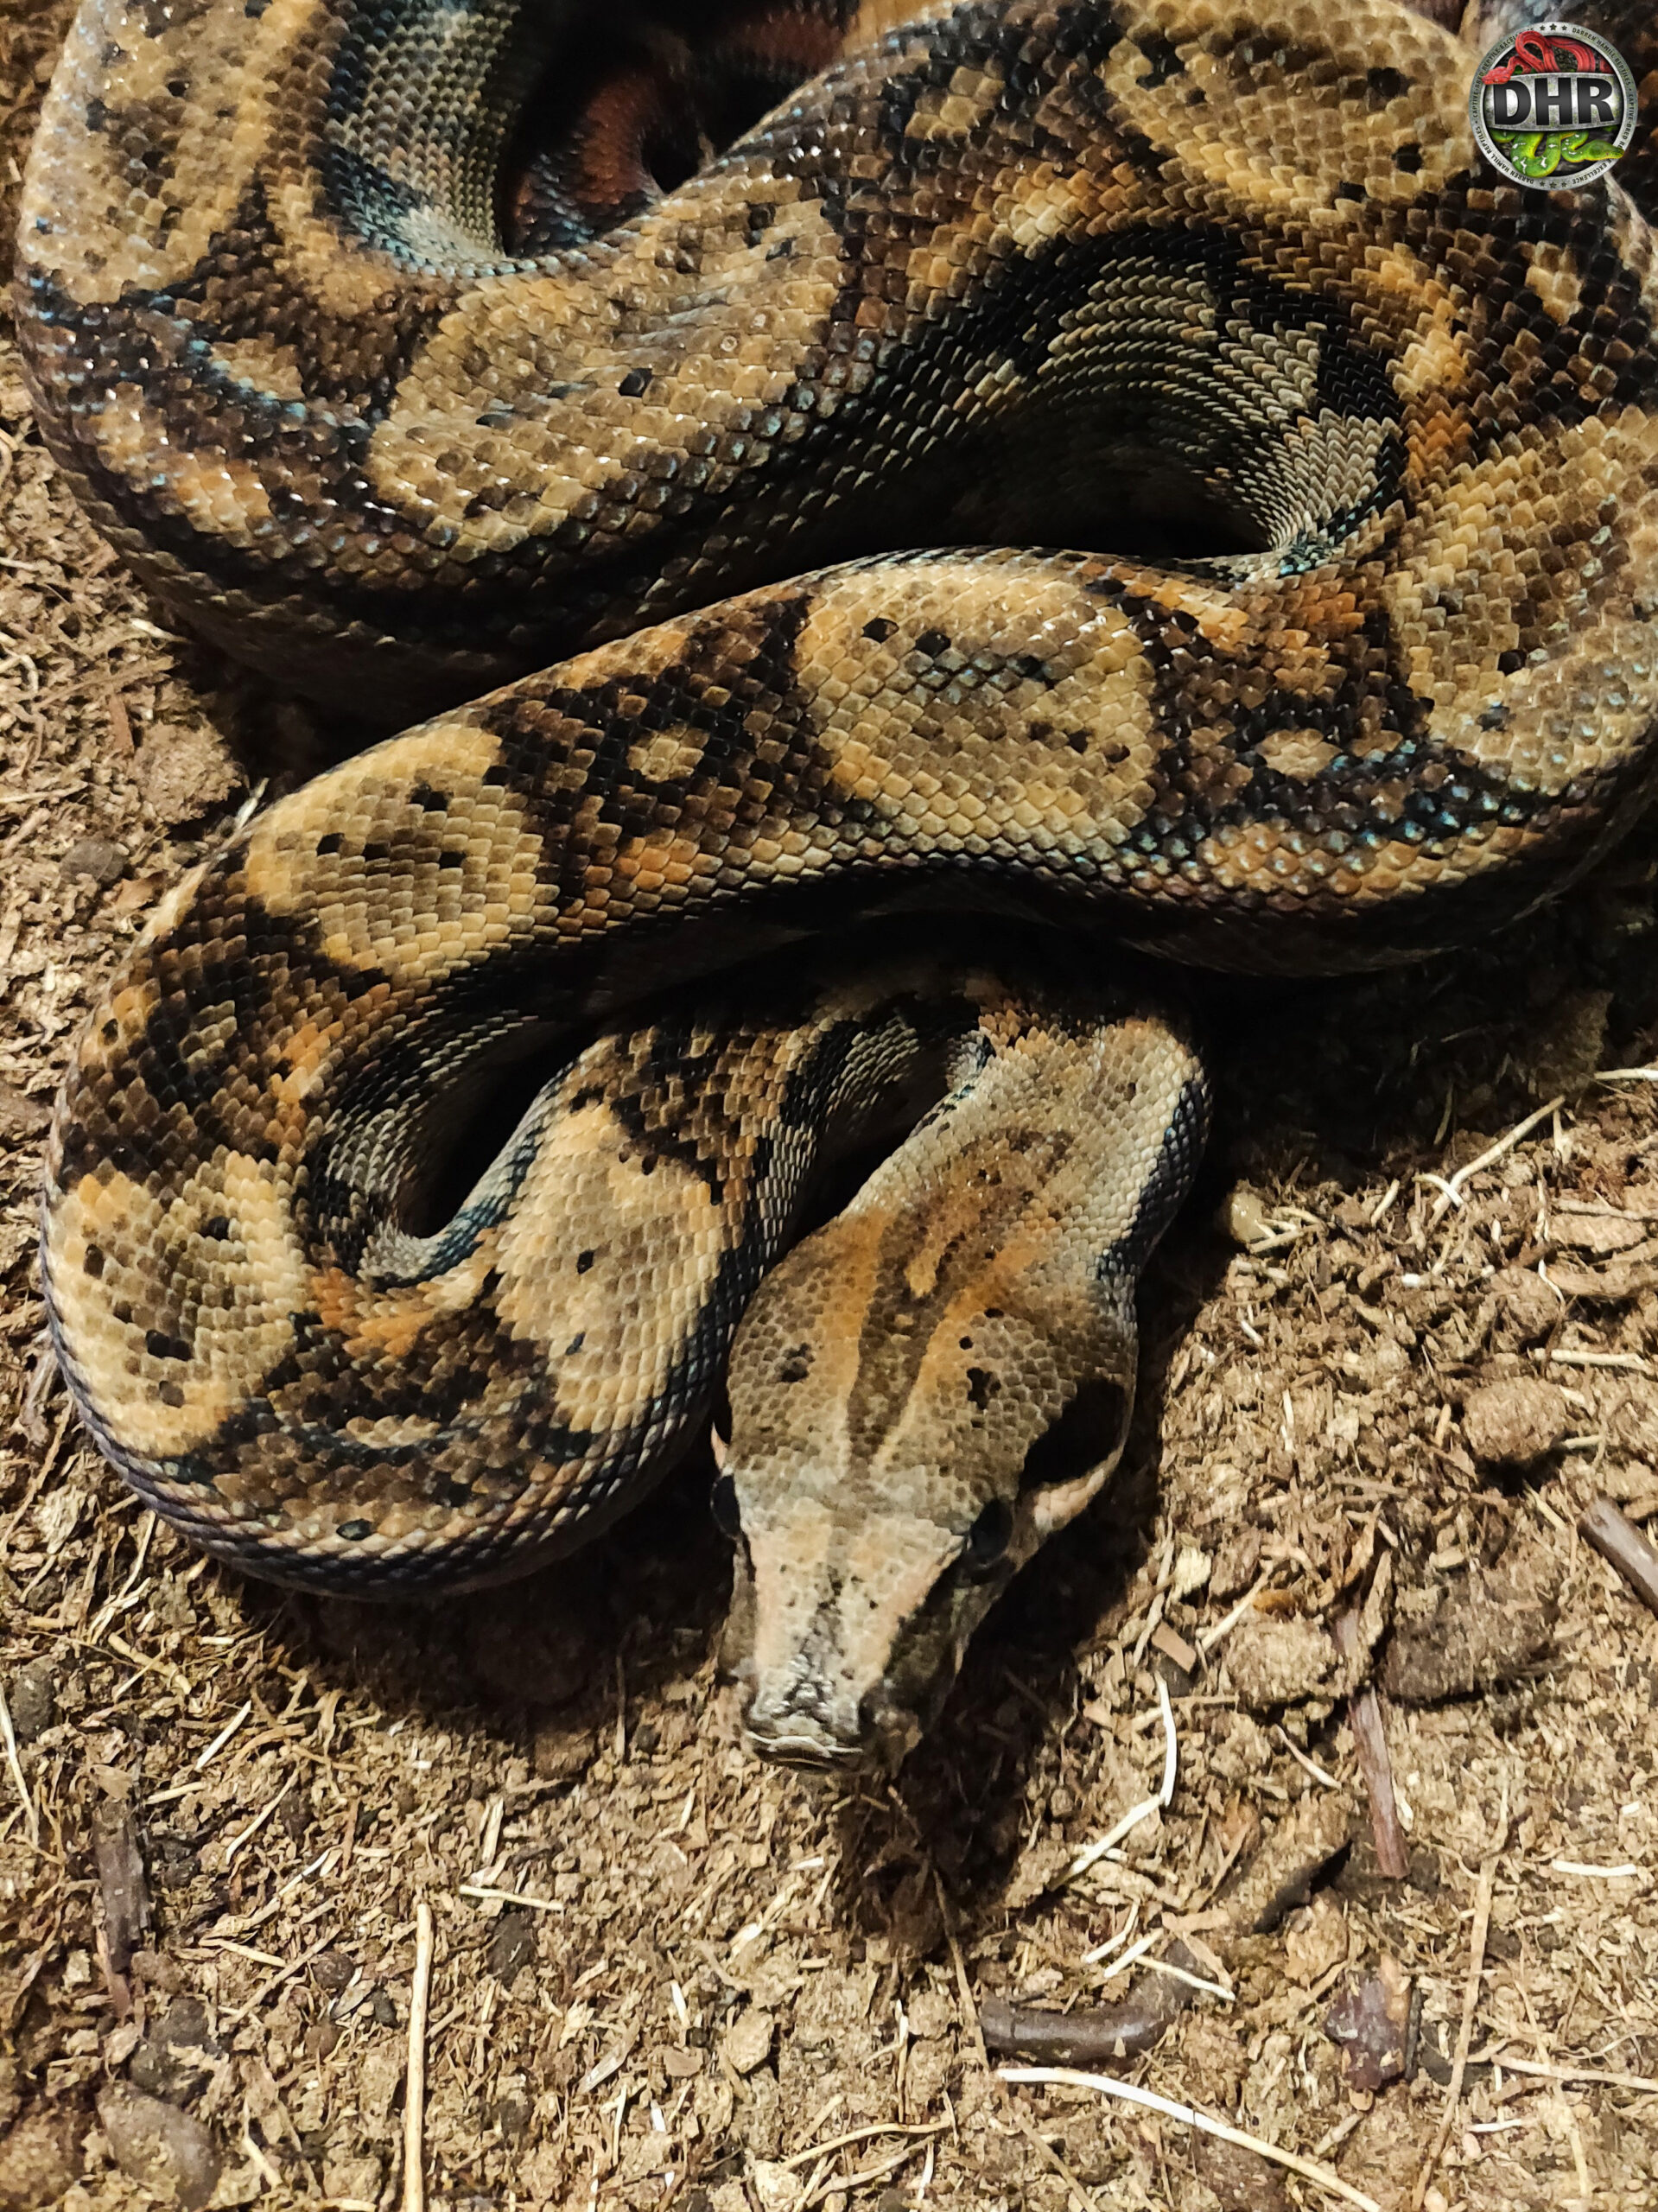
1539	153
1535	61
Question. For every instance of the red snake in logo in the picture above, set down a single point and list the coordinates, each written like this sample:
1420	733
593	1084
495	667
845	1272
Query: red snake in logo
1534	53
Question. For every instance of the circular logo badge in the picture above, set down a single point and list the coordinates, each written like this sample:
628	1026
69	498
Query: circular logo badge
1553	107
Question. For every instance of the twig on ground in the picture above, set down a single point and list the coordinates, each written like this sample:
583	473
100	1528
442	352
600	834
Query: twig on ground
1098	2035
274	1981
843	2185
245	1835
1413	2031
1130	2093
1193	1980
1131	1957
484	1894
1644	2082
414	2111
1622	1545
1466	2032
970	2025
1370	1743
1322	1776
1626	1363
1209	1638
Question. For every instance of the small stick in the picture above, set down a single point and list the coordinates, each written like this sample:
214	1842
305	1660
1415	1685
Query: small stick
1413	2030
1130	2093
1465	2033
413	2110
274	1981
1324	1780
1627	1363
247	1834
1622	1545
1370	1742
1193	1980
1096	2036
485	1895
1209	1638
1130	1957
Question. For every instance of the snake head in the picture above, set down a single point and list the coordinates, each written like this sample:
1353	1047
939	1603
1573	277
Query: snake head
936	1380
876	1521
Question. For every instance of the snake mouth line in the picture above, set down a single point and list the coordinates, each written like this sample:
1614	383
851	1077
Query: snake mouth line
807	1756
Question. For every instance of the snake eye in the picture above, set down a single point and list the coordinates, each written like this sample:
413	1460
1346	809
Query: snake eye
722	1500
988	1540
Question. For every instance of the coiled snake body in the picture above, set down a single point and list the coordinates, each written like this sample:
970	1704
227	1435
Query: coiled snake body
403	382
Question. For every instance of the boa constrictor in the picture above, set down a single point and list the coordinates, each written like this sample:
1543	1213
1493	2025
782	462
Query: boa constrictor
709	382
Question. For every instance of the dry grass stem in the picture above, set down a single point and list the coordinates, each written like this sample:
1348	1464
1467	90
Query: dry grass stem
1451	1190
1130	2093
1477	1934
414	2115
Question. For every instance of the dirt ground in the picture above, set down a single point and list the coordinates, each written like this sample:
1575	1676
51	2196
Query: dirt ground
663	1975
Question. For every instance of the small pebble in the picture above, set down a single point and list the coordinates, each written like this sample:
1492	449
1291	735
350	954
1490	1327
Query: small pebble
166	2151
930	2014
32	1700
1526	1302
748	2041
184	773
1369	2023
20	1117
1244	1218
99	857
1316	1942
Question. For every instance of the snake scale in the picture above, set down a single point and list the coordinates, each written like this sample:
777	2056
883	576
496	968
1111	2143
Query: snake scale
710	382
